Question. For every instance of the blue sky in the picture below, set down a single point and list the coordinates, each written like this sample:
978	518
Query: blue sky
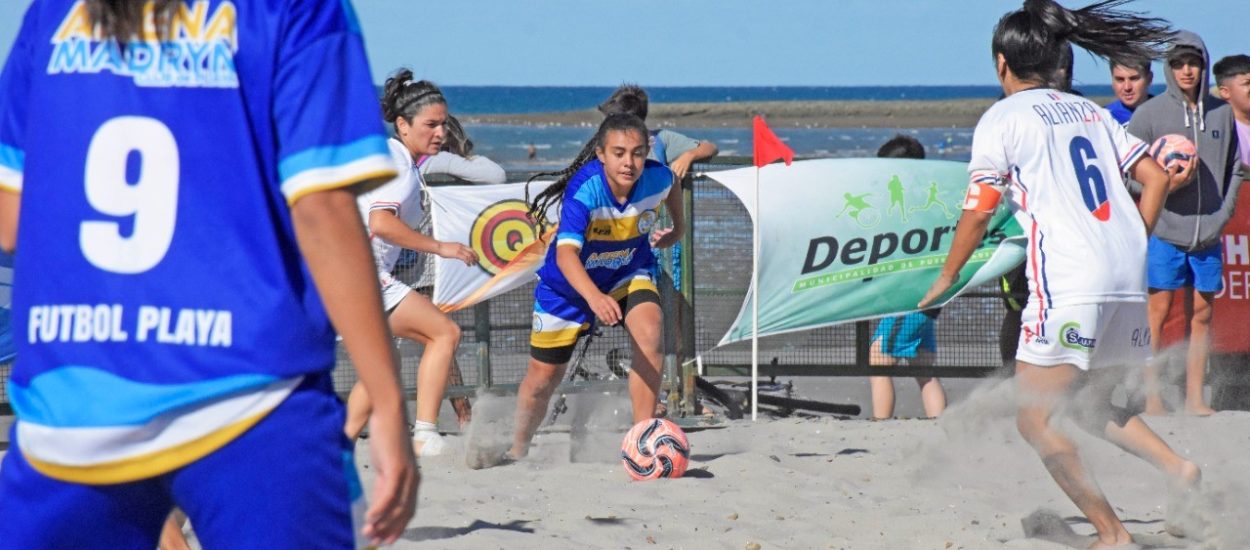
712	42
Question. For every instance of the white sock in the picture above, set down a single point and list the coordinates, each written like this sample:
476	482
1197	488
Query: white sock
432	443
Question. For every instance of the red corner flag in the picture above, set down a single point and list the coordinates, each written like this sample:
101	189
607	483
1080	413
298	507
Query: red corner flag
768	147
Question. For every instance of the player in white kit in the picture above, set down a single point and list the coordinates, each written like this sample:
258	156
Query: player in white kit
1060	162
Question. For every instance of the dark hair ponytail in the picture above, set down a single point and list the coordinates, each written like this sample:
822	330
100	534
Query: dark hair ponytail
404	97
122	20
1036	39
457	140
628	98
554	193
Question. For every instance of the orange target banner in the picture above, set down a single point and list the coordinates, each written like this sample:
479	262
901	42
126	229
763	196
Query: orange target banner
494	221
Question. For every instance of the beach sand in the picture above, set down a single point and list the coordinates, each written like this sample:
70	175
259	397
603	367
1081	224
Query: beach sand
957	113
964	481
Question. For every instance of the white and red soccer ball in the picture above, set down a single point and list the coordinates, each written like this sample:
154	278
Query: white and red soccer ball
654	449
1173	150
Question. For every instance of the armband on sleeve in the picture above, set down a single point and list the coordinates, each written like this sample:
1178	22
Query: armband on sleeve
985	191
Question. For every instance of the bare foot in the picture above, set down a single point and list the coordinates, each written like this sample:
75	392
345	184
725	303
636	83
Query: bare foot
1154	406
1183	490
1200	409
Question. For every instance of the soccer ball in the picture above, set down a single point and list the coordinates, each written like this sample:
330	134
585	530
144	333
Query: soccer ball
654	449
1173	150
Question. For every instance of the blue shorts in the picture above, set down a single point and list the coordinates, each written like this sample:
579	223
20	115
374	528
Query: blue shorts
559	320
288	482
1170	268
905	335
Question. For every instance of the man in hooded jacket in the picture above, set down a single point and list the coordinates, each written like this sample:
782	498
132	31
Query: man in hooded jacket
1185	249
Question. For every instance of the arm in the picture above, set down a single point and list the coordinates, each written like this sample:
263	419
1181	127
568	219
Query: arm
10	204
385	225
477	169
681	165
968	234
1156	184
568	259
668	237
333	244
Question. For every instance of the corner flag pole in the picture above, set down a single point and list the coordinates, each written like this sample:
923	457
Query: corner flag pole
755	303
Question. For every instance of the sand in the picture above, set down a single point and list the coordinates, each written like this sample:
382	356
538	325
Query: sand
954	113
964	481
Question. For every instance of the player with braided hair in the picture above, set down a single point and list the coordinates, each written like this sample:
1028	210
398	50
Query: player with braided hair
598	268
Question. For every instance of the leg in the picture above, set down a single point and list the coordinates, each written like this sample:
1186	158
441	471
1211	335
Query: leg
645	324
1041	390
931	393
171	533
358	408
541	381
882	386
1158	305
417	319
1199	348
464	410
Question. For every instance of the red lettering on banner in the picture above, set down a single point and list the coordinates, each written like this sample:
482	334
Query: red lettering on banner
1232	305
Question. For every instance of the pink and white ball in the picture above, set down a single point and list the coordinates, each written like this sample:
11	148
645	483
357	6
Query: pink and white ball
654	449
1173	150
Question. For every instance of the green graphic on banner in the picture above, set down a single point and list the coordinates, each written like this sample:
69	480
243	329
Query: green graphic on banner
850	239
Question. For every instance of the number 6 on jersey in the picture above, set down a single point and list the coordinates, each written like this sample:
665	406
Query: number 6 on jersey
152	199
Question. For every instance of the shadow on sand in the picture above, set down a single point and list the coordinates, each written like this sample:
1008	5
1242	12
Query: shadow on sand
436	533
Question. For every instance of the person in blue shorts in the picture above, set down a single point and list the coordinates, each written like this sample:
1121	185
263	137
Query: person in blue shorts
908	337
599	269
189	174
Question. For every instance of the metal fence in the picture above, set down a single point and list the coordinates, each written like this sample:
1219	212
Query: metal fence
713	275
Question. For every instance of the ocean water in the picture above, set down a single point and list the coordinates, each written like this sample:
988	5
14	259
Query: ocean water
555	146
539	99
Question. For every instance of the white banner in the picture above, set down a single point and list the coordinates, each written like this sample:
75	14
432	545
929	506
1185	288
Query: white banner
493	220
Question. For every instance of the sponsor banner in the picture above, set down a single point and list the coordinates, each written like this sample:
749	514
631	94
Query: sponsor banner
1232	304
6	303
493	220
850	239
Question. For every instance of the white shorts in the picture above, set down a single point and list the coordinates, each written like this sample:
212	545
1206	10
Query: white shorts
393	291
1088	336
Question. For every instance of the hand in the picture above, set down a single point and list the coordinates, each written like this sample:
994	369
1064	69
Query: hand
606	309
395	487
1179	176
457	251
680	166
943	283
664	238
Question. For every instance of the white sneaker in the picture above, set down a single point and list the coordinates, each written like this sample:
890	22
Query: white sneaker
432	444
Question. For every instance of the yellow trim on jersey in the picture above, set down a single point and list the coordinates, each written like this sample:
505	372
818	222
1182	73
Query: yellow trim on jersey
149	464
634	284
368	181
15	189
613	229
557	338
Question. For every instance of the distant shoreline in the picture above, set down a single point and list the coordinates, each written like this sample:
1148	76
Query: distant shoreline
946	113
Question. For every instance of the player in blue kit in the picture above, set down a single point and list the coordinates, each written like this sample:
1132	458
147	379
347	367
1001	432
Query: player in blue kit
600	267
188	170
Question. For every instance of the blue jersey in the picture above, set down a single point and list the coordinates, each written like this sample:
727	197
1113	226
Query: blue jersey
161	306
613	238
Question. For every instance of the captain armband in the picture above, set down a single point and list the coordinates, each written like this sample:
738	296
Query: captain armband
984	192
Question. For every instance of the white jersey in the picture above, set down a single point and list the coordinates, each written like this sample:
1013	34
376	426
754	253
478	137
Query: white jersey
402	196
1060	160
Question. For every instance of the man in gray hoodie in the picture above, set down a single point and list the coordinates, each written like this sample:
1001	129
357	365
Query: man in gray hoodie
1185	250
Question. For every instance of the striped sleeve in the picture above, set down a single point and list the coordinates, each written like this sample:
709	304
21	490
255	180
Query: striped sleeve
326	112
574	219
1129	148
14	92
